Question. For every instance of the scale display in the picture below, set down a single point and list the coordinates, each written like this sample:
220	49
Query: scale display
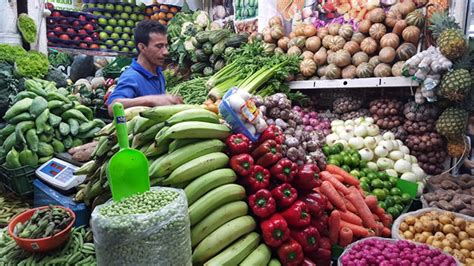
60	174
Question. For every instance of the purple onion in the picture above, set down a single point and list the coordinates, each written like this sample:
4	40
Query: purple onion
405	262
305	121
308	128
297	108
313	114
313	122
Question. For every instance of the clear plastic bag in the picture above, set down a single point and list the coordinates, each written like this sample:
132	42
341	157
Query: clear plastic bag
156	238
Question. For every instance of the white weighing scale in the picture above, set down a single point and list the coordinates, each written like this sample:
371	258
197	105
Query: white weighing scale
60	174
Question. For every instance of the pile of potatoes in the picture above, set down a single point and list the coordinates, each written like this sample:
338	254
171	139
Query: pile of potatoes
443	230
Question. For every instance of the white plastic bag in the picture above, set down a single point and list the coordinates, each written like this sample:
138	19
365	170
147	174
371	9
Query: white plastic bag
155	238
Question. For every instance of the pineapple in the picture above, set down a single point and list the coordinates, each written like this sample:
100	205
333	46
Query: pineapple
456	84
448	35
457	146
452	122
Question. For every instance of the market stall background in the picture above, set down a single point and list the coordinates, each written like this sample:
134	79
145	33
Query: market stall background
344	118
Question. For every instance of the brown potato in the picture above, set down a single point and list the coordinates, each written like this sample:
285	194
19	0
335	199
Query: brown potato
430	240
452	237
470	229
463	235
449	228
458	255
420	238
411	228
403	226
467	244
419	227
410	220
469	261
447	249
447	243
444	219
457	230
437	244
472	254
439	236
466	253
408	235
428	226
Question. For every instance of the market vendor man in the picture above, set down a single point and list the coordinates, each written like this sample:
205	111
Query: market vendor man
143	83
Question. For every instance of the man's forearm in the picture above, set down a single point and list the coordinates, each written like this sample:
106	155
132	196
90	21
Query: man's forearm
130	102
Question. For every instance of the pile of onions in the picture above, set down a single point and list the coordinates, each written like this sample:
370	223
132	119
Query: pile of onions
388	252
311	121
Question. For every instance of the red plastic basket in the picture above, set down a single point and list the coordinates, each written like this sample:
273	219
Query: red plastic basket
40	244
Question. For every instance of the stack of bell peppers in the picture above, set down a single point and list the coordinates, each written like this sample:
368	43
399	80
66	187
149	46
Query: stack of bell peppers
284	197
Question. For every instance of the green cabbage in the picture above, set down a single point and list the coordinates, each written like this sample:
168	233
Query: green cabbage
33	65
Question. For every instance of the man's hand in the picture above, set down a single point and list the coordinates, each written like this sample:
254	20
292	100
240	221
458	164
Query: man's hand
158	100
469	164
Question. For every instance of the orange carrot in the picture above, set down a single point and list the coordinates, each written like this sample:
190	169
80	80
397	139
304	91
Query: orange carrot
329	205
357	230
386	232
326	176
379	211
345	236
386	219
334	226
379	229
376	218
371	202
330	192
351	217
348	178
339	177
349	206
362	209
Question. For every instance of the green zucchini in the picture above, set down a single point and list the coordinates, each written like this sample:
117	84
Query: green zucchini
203	36
198	67
218	48
207	48
236	40
201	56
218	36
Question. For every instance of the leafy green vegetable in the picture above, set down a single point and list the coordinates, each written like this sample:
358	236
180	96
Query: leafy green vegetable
57	58
33	65
8	53
57	76
192	91
8	86
27	27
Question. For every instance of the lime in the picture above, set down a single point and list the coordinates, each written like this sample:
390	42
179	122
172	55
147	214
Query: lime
344	153
371	176
398	207
355	161
346	168
393	180
387	192
395	191
363	164
376	183
393	211
387	184
365	186
327	150
347	160
406	197
334	161
389	201
366	170
398	199
364	179
382	205
379	193
383	176
333	150
339	147
355	173
339	157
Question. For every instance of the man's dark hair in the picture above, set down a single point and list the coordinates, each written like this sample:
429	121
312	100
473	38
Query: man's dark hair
143	30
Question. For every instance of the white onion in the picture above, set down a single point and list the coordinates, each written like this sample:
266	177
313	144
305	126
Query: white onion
337	123
391	172
402	166
409	176
373	166
370	142
366	154
395	145
378	138
356	143
416	169
404	149
349	123
360	131
384	163
387	144
372	130
331	139
388	136
381	151
344	143
396	155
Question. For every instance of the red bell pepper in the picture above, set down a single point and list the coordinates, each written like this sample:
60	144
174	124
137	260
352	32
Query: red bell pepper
259	178
285	170
308	262
307	177
262	203
284	195
321	257
297	214
316	203
268	153
308	238
291	253
272	132
238	144
241	164
321	223
275	230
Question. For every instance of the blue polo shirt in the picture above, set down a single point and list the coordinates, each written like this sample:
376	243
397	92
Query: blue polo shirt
136	81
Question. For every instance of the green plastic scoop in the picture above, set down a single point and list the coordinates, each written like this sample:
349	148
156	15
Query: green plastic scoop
128	169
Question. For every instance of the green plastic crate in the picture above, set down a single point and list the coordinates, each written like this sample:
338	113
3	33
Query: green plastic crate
19	180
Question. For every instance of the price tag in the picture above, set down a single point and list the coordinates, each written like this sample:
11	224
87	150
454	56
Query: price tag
249	110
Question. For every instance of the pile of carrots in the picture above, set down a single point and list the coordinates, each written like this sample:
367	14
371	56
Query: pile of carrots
352	214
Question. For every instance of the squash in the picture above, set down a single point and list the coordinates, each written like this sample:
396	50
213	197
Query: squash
369	45
322	32
309	30
352	47
307	55
292	35
277	32
358	37
376	15
313	44
364	26
359	58
406	51
268	38
321	70
275	21
365	70
342	58
320	57
392	17
333	28
337	43
331	56
420	3
333	72
383	70
411	34
308	67
269	48
349	72
299	30
283	43
405	7
415	18
390	40
294	50
279	50
327	41
397	69
297	41
377	31
345	31
399	27
375	60
265	30
387	55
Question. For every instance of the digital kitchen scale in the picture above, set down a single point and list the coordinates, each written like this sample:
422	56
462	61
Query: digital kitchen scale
60	174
